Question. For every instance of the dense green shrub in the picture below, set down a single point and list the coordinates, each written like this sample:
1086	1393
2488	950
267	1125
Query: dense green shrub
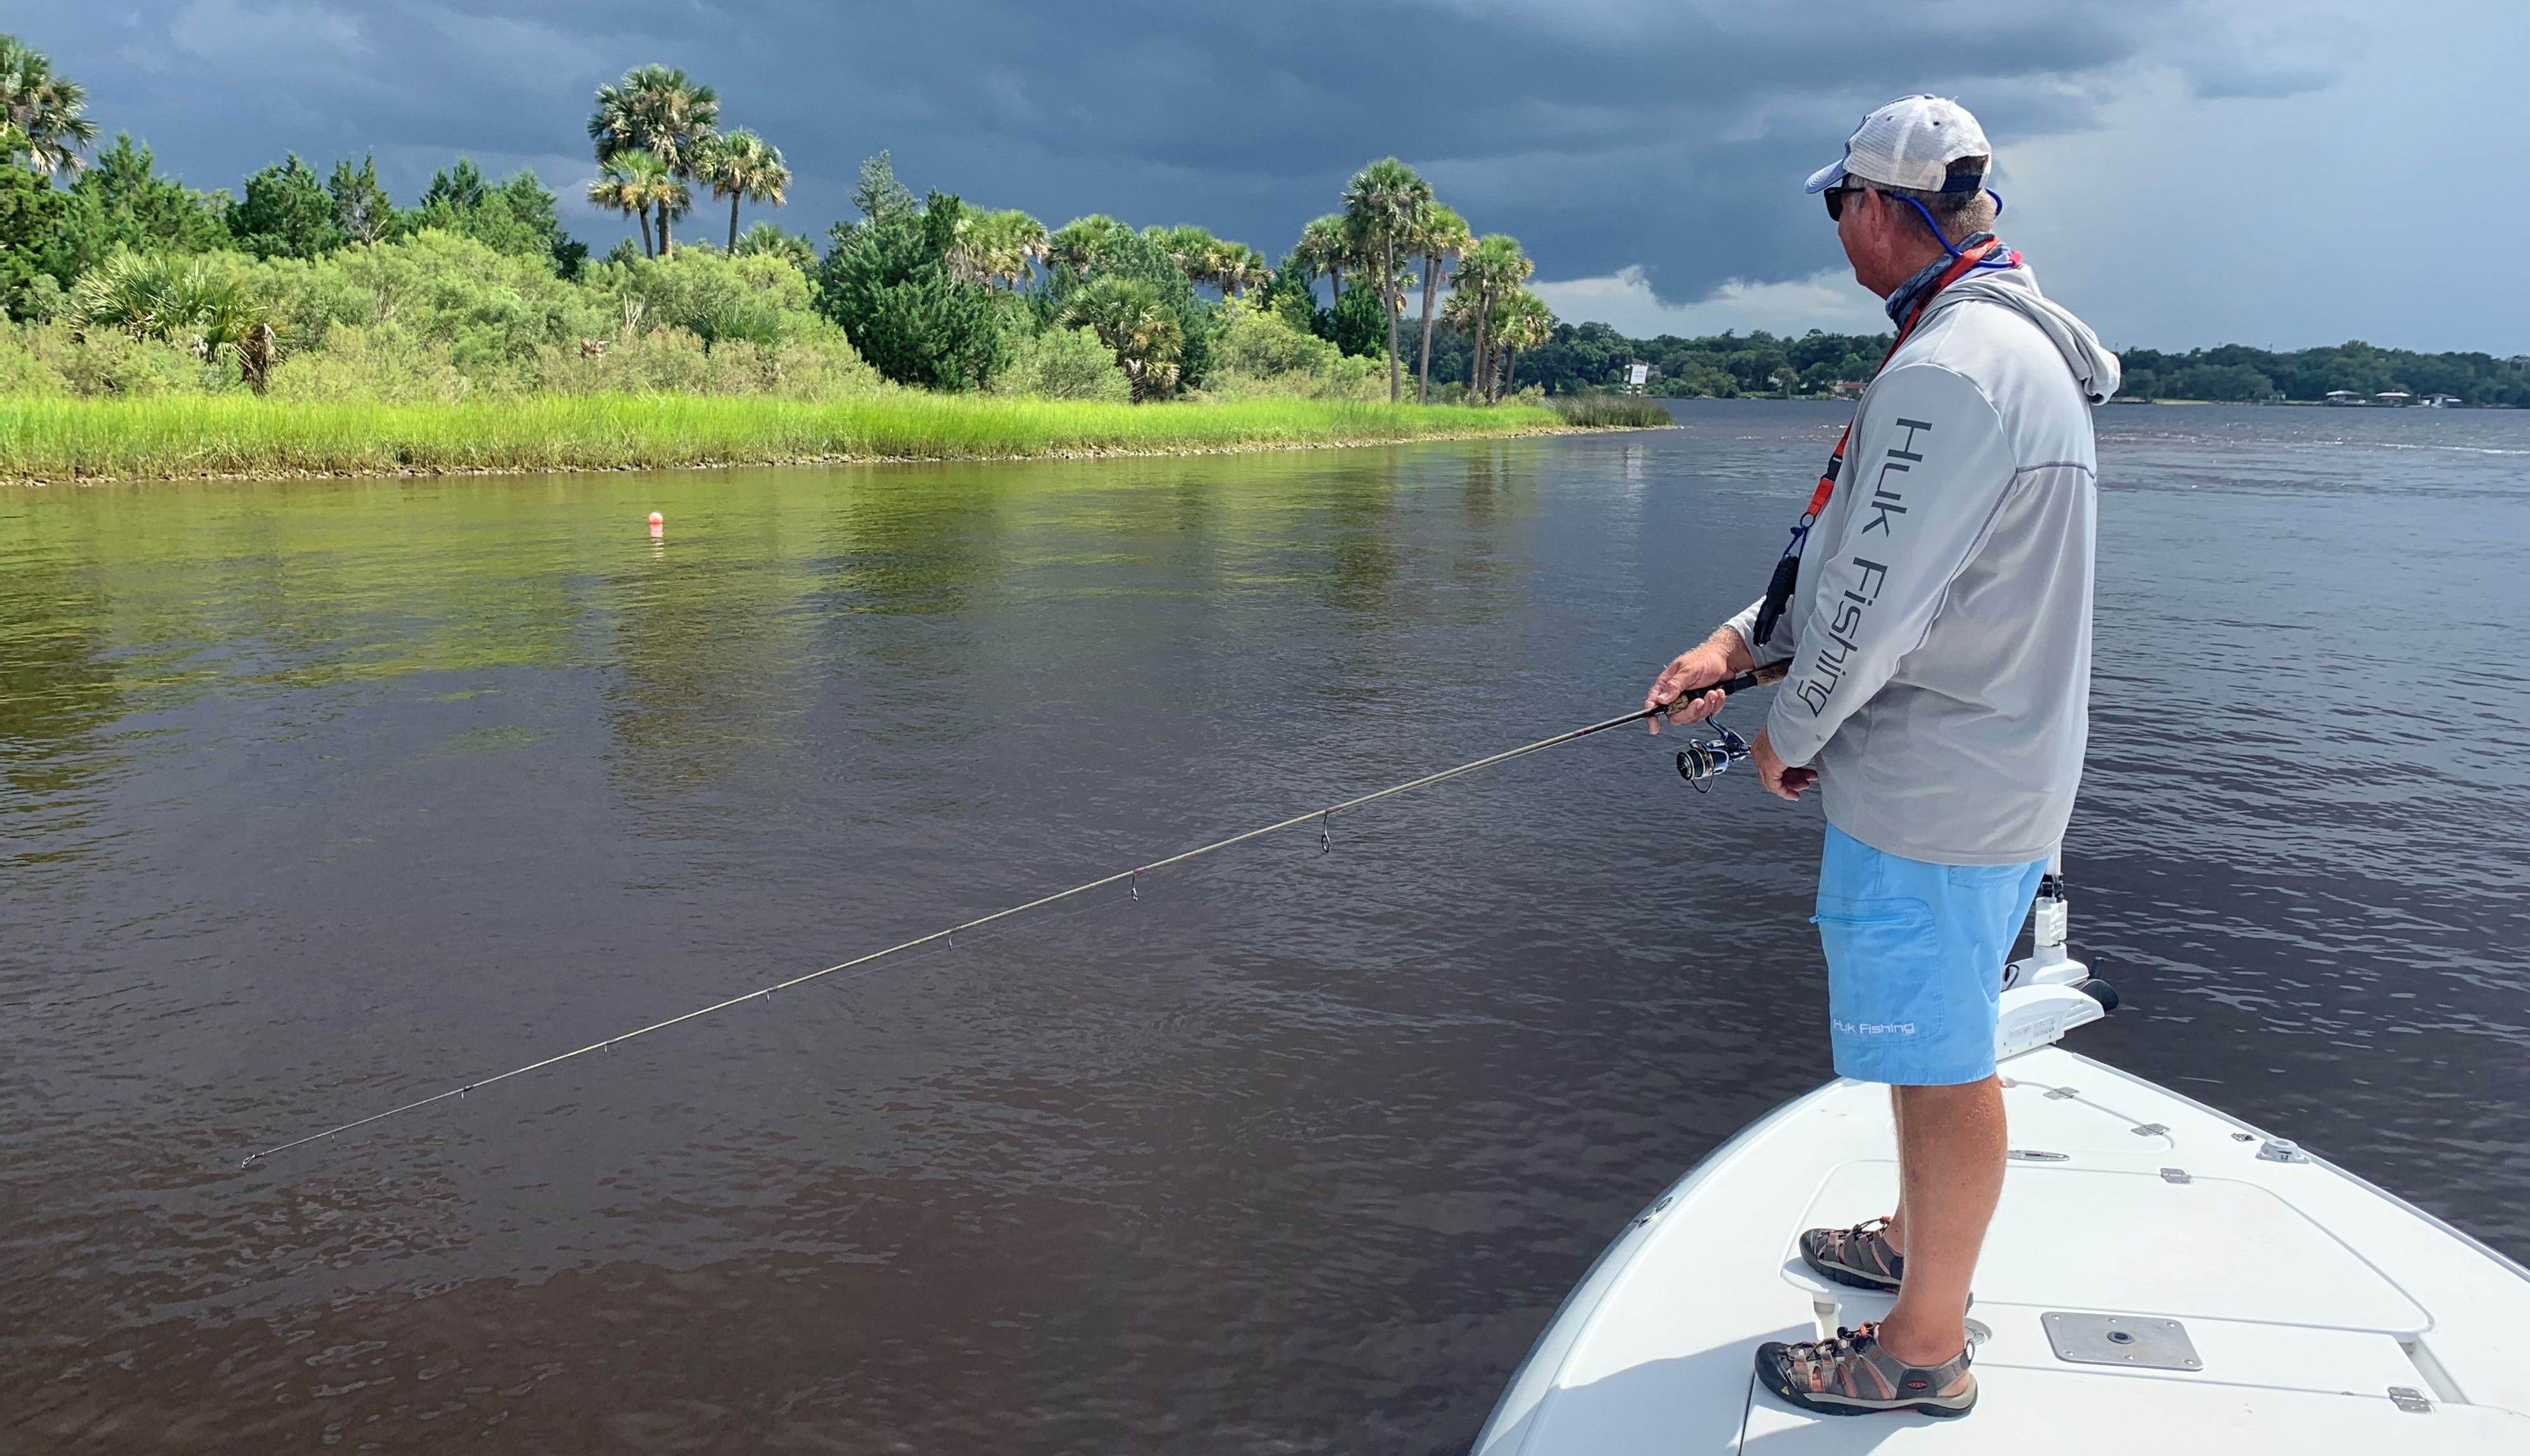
817	365
761	298
56	359
1359	323
488	307
1258	352
436	316
380	363
385	366
888	281
1062	364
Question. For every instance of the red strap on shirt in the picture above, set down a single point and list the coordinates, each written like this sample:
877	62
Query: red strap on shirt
1958	269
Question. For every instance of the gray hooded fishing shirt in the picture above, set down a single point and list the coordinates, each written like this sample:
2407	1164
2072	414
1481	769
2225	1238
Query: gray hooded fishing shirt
1939	637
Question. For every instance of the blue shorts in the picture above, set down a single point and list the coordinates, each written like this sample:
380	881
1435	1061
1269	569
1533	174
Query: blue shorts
1914	960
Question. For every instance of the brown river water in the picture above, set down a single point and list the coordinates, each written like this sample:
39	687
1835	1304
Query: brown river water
317	797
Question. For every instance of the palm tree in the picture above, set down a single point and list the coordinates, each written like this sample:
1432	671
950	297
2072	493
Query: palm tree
1193	249
743	167
1083	244
1023	244
1326	247
1137	325
770	240
667	195
45	110
659	110
1381	204
1488	274
1239	267
196	302
996	248
630	184
1521	321
1465	313
970	247
1440	235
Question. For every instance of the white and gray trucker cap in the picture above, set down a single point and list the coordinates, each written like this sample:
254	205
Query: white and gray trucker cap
1909	143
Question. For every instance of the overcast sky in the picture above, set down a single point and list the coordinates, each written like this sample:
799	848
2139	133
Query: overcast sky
2181	172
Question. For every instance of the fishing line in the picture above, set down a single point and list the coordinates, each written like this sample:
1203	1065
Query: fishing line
1713	757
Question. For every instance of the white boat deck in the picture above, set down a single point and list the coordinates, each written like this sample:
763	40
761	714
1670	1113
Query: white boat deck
2307	1296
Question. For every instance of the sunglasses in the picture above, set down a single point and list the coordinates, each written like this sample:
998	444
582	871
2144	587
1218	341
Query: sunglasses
1835	202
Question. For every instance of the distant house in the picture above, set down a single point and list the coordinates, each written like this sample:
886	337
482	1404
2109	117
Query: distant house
1851	386
2393	396
2344	397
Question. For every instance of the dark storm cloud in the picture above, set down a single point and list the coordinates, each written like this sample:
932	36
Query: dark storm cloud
1600	134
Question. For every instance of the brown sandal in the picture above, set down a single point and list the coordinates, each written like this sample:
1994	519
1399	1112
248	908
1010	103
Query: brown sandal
1858	1257
1852	1375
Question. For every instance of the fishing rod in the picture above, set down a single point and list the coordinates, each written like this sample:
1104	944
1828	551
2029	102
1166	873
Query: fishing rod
1700	760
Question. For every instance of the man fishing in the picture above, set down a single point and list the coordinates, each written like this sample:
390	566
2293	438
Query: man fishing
1934	610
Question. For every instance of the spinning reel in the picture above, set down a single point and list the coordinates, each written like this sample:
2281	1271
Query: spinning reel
1702	758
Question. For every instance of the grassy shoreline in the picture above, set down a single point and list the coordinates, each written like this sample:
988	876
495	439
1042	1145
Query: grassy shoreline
176	438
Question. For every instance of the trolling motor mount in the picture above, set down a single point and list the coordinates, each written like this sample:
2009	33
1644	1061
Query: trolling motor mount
1702	758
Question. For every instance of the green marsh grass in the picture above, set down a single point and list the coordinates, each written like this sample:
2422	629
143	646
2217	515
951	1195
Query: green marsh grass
1605	412
179	436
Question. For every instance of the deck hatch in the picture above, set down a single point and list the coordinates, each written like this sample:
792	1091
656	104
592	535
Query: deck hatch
2135	1341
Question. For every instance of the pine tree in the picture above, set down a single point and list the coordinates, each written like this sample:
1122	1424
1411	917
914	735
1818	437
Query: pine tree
362	208
286	213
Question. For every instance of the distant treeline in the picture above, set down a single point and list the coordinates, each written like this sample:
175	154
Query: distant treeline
118	280
1594	356
2238	372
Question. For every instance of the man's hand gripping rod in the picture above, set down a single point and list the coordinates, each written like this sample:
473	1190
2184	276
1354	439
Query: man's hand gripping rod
1702	758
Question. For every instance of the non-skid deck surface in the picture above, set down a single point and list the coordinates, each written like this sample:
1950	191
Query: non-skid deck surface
2307	1295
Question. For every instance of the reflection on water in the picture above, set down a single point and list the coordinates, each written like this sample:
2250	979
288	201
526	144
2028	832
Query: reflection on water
56	693
324	795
